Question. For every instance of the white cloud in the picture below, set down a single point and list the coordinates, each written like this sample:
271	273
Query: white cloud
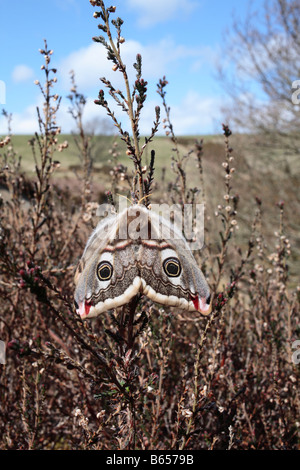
157	11
90	63
24	122
195	114
22	73
191	113
92	112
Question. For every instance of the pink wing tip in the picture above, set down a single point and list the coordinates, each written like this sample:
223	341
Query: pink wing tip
201	305
84	309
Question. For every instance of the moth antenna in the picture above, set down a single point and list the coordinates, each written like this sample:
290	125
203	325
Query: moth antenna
125	197
144	197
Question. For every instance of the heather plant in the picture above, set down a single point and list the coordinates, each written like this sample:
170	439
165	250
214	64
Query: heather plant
143	376
131	101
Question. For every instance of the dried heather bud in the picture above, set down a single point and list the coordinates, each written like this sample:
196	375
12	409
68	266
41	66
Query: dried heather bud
280	204
226	131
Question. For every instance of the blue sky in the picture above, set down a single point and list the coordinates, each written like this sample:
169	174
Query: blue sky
181	39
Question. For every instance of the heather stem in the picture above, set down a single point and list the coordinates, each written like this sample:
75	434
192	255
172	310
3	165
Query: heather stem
129	103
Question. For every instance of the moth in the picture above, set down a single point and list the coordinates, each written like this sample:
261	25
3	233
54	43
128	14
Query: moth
138	252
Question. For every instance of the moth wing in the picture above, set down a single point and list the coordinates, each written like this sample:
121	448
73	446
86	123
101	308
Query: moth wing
100	237
94	295
187	289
